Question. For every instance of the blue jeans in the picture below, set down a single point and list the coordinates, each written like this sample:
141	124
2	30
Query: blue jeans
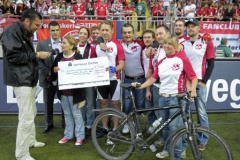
73	118
153	115
200	103
175	124
139	96
155	95
87	113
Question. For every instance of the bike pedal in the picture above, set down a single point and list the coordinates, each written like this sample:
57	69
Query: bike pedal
153	148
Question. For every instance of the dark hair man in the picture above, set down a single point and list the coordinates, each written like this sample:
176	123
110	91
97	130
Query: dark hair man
52	44
20	71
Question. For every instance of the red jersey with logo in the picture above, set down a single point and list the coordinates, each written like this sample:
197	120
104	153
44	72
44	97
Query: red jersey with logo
155	11
198	53
172	71
114	53
133	65
101	10
79	9
236	14
210	13
201	12
127	9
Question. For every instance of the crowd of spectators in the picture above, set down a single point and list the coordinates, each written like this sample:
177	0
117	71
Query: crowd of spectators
203	10
61	9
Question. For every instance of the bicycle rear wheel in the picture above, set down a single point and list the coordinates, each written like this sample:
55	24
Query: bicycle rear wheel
113	145
216	148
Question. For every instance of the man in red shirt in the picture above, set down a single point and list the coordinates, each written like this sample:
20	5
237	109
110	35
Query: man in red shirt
101	10
79	9
155	13
210	12
128	11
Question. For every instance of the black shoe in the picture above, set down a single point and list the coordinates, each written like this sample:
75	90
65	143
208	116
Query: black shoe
48	128
101	133
88	131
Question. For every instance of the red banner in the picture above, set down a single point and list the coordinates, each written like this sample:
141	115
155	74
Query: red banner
5	22
69	28
220	27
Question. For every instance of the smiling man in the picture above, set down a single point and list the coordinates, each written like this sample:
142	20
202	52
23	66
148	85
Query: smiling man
115	54
20	71
201	56
179	28
133	69
45	80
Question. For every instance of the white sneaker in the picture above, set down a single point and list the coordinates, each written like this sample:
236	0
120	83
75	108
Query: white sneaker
125	129
184	155
159	143
162	154
38	144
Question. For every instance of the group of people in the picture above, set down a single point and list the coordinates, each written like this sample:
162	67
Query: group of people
62	9
203	10
177	64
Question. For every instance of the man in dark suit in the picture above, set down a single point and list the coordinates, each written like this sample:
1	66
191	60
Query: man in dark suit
45	81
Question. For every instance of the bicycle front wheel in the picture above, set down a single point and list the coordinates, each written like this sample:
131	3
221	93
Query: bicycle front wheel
112	144
216	148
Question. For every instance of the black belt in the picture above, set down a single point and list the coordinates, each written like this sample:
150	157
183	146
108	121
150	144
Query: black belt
135	78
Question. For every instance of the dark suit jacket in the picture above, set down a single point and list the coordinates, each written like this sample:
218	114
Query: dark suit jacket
44	65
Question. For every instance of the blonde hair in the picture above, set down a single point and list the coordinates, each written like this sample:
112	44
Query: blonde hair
72	41
95	28
107	22
174	39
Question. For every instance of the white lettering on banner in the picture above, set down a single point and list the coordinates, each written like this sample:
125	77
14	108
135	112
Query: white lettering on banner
225	91
233	42
63	25
12	99
10	95
221	26
218	89
235	98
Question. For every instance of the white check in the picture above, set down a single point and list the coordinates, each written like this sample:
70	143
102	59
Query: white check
83	73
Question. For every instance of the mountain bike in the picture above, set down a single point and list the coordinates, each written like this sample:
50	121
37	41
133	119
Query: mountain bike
114	145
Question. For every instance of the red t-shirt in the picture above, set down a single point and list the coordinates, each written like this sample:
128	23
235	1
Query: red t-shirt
79	9
126	9
101	10
236	14
201	12
210	13
155	11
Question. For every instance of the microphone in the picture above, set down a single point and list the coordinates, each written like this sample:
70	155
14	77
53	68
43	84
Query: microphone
155	44
100	40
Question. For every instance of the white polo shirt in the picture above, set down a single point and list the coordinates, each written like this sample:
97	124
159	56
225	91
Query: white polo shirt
198	53
114	53
172	72
192	14
133	65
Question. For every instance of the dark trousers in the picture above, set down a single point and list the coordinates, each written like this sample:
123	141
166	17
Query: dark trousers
48	97
142	20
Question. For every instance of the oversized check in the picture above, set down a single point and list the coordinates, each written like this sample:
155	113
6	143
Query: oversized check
83	73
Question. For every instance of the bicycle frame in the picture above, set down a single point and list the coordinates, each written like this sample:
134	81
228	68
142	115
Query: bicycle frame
134	112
